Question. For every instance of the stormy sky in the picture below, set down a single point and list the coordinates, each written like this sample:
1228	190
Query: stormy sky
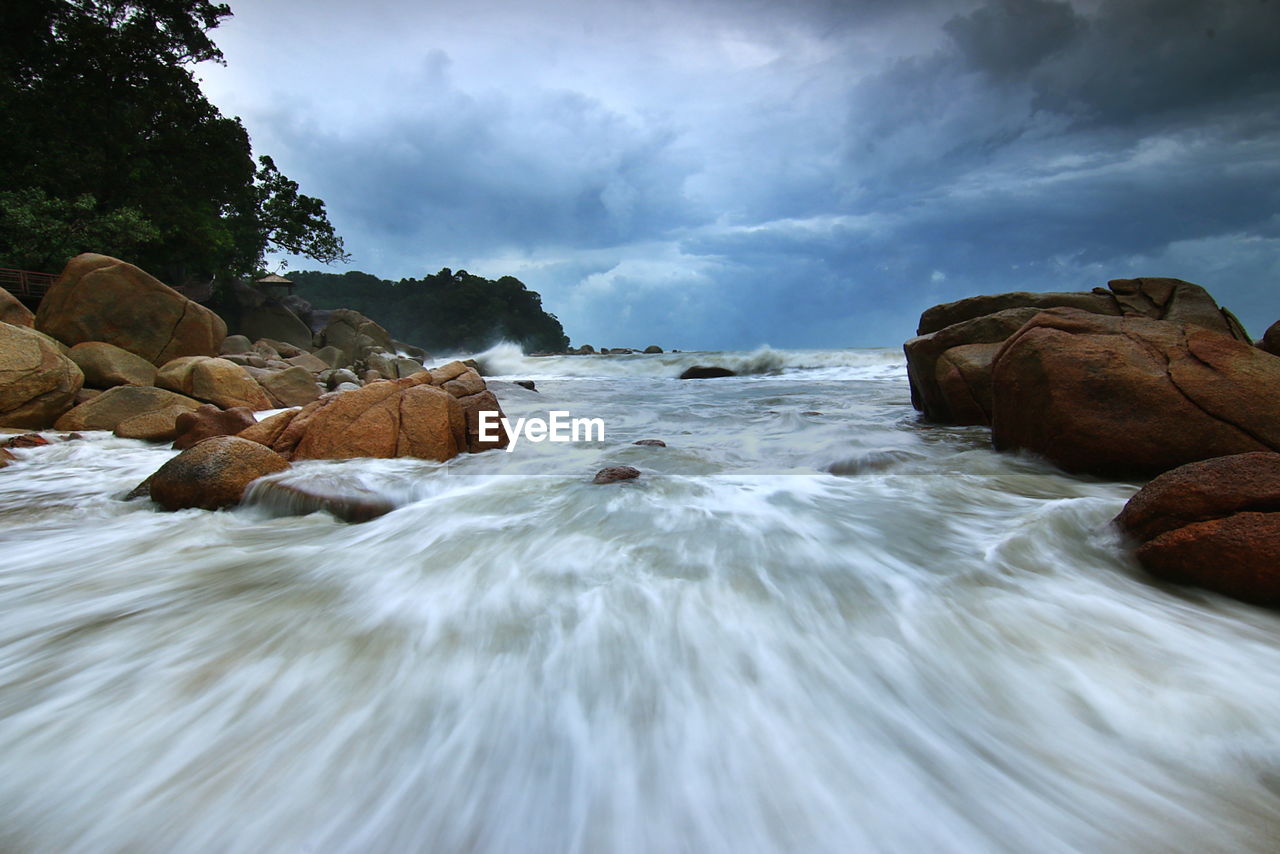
808	173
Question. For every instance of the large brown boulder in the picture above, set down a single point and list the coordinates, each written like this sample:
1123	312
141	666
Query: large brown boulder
954	387
37	382
1128	396
1214	524
12	311
214	381
106	365
98	298
386	419
429	415
213	473
107	410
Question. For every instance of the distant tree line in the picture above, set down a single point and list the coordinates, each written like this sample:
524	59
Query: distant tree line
108	144
446	311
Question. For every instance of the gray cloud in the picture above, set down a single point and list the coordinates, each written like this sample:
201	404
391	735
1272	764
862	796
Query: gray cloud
726	174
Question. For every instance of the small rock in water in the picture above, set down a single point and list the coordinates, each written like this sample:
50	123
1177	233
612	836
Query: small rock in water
656	443
26	440
706	372
613	474
526	384
6	458
213	473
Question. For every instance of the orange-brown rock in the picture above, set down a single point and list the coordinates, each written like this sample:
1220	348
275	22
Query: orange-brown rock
12	311
37	382
466	383
1214	524
25	440
402	418
268	430
213	473
1129	396
213	380
209	421
472	406
446	372
105	365
99	298
107	410
955	387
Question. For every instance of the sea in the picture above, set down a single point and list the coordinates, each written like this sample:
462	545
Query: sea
813	623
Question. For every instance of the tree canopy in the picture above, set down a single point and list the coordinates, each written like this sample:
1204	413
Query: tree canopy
447	311
107	144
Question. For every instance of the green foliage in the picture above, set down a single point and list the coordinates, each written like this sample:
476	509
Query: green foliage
41	233
445	312
97	100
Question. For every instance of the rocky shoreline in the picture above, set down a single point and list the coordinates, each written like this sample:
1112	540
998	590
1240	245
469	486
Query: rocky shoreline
112	348
1146	378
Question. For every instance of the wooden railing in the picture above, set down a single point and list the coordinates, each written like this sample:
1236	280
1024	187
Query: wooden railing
25	283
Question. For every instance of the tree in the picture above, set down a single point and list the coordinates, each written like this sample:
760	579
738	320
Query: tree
98	106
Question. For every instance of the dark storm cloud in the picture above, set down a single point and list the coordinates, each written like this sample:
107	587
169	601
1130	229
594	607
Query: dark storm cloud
725	174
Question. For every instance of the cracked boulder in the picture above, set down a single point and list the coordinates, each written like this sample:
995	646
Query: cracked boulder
37	382
1129	396
99	298
1213	524
949	361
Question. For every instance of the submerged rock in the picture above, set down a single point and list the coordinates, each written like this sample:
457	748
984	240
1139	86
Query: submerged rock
292	499
1213	524
706	372
613	474
653	443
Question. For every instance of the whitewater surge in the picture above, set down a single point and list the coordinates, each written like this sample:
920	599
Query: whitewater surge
508	361
812	625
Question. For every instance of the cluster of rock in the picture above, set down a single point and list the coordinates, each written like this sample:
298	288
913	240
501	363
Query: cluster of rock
1133	380
588	350
112	348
